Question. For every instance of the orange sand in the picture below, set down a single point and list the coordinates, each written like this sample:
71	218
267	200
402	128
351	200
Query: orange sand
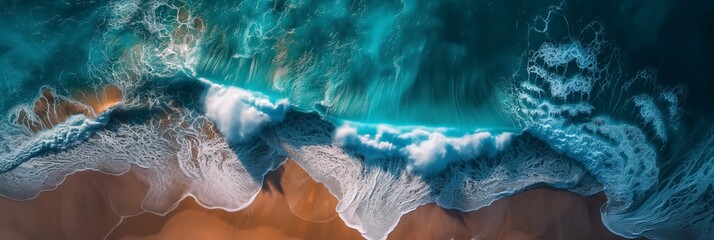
270	216
85	206
51	109
534	214
290	206
109	96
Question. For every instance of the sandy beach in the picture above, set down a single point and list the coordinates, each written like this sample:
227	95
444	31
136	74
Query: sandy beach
87	205
290	206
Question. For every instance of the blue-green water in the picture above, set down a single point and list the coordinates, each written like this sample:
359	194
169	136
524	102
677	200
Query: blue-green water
370	61
404	102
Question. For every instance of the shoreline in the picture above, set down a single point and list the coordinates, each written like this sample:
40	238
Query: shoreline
290	205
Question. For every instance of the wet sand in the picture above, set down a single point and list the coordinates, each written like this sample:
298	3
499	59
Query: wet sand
290	206
108	96
534	214
87	205
51	109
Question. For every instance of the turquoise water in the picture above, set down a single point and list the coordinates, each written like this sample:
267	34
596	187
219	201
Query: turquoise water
371	61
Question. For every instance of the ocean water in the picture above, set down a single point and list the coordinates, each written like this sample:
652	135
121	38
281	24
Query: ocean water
390	104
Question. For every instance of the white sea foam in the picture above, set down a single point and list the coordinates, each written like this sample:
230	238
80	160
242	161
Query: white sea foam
428	151
67	134
239	113
183	159
180	158
374	193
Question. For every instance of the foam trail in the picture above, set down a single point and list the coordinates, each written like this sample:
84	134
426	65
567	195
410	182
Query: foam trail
73	131
363	177
617	128
679	208
184	157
